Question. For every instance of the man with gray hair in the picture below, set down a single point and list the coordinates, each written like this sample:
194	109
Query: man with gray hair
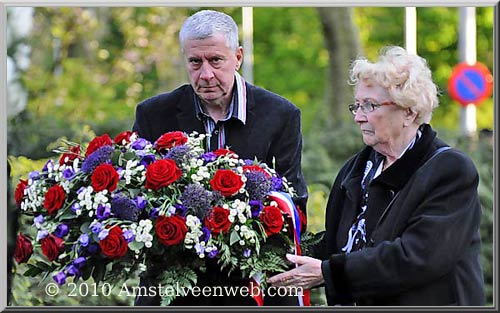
249	120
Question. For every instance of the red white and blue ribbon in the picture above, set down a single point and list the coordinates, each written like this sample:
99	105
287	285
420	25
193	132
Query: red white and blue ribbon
286	205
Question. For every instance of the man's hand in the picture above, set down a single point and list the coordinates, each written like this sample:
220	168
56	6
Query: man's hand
307	275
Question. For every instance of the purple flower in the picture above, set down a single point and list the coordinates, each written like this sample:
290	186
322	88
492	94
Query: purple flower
197	199
256	207
199	248
180	154
180	209
205	236
125	208
60	278
154	212
38	220
75	207
257	185
84	240
80	190
69	173
139	144
61	230
79	262
247	253
148	159
141	202
34	175
72	270
48	164
248	162
96	227
103	234
209	157
96	158
128	235
102	212
276	184
42	233
212	254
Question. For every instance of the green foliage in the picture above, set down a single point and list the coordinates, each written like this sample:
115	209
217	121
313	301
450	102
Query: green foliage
178	279
308	240
291	60
481	152
439	48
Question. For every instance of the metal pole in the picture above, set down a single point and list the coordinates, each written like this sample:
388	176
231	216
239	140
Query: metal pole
467	53
411	29
247	66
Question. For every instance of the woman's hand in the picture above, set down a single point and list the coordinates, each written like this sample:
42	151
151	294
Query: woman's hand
307	275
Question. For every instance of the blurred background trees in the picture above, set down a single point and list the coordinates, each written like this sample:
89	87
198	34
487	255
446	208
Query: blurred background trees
78	72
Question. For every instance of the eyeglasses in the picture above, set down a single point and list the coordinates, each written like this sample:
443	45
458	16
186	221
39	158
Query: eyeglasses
367	106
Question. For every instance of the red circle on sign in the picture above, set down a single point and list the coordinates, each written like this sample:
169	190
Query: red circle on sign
470	84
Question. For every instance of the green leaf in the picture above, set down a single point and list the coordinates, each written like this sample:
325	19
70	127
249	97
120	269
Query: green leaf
32	271
68	215
235	237
134	245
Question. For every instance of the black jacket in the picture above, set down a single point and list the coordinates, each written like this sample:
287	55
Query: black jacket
422	228
272	130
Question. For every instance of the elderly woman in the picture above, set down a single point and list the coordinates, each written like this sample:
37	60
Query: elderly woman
402	219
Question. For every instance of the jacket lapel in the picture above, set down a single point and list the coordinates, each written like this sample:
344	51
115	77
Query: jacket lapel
186	114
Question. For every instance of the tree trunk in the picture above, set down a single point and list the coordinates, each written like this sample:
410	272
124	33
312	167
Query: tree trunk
343	45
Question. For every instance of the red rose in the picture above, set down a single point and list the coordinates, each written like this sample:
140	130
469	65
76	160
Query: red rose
19	193
226	182
255	168
169	140
171	230
52	246
217	220
98	142
123	138
222	152
114	246
54	199
272	219
24	248
68	157
161	173
104	177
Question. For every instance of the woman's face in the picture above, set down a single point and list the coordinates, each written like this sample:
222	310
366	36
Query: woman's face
382	127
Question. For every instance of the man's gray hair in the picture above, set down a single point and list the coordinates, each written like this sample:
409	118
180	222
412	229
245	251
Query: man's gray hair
207	23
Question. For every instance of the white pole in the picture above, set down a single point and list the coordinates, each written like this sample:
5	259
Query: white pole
411	29
467	53
247	66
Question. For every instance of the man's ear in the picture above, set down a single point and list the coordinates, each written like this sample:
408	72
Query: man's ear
239	57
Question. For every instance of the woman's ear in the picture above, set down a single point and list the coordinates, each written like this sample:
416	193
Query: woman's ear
409	117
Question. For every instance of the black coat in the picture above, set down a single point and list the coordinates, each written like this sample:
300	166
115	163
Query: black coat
272	132
422	224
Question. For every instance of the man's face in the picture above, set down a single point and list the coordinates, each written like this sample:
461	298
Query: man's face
211	66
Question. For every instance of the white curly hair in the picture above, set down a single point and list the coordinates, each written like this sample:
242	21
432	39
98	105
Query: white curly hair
406	77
